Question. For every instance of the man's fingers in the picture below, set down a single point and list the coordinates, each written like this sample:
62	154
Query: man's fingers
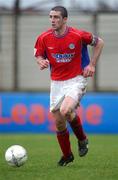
43	66
88	73
44	63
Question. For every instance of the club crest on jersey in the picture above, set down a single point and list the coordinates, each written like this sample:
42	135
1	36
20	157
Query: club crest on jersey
71	46
63	57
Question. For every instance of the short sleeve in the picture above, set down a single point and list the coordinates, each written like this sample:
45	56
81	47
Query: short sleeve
87	37
39	48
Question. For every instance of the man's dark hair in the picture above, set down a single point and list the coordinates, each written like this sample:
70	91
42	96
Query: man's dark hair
62	9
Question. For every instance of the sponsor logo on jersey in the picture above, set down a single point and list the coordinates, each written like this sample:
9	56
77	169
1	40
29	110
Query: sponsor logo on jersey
71	46
63	57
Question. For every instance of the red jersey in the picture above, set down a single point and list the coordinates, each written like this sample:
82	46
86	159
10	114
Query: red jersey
63	52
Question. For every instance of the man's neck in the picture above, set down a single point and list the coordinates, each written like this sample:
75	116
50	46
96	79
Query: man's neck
62	31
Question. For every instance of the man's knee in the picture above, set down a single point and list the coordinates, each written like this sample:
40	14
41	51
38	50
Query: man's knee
60	125
69	114
65	112
59	121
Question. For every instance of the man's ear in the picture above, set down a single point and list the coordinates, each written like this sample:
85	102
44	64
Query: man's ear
65	19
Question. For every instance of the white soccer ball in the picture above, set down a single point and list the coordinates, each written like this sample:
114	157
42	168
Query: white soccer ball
16	155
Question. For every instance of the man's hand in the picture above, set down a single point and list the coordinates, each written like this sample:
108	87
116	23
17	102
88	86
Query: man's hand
89	71
43	63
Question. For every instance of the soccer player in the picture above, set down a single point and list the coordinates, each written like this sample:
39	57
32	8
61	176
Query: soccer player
64	49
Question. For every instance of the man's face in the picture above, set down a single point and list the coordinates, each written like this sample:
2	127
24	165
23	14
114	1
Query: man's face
57	21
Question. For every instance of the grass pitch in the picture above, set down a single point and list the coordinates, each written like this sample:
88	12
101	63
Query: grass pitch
101	163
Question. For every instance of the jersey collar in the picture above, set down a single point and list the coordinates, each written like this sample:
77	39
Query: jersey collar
60	36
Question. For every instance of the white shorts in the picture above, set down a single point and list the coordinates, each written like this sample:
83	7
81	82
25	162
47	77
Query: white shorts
75	88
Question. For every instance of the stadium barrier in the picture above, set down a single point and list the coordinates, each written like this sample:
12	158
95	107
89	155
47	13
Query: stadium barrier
29	113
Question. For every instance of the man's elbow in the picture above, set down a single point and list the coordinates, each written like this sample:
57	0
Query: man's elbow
100	42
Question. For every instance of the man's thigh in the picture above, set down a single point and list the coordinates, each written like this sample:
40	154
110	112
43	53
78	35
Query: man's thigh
68	104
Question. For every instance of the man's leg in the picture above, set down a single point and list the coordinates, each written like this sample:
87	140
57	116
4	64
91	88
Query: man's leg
63	139
67	109
77	128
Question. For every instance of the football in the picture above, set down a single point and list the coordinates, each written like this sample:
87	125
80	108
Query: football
16	155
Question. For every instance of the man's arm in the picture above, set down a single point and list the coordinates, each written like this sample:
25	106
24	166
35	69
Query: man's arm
97	49
43	63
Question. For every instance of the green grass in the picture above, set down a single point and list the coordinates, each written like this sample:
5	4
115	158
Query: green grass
101	163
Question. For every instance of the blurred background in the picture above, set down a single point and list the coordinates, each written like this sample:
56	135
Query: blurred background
22	84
